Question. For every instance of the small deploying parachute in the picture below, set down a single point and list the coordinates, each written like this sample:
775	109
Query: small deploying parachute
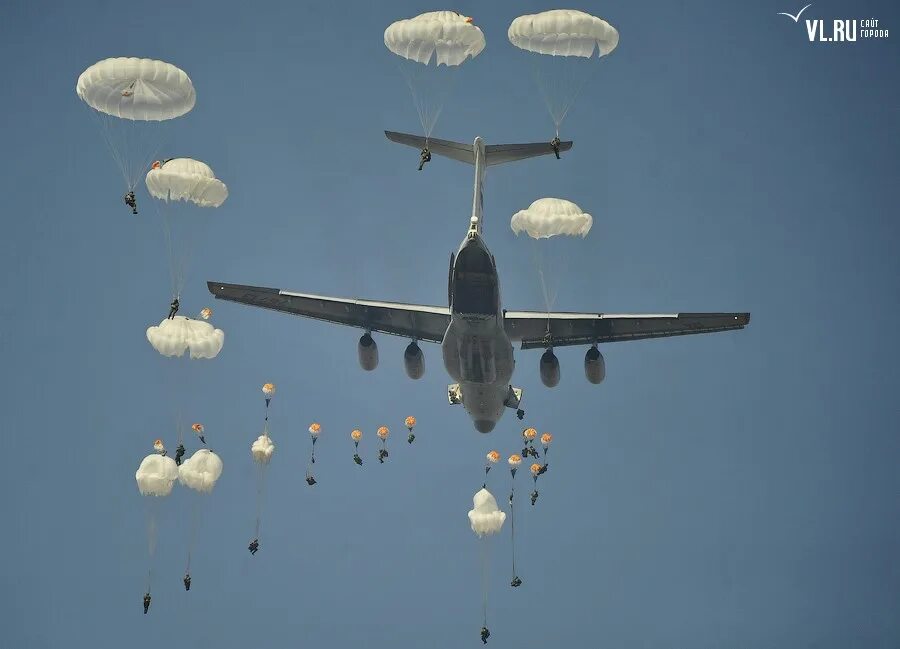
561	43
383	433
356	435
425	43
172	337
410	423
315	430
491	458
131	96
199	430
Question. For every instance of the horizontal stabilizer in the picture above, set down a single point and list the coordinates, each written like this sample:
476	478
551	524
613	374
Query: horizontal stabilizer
446	148
497	154
494	154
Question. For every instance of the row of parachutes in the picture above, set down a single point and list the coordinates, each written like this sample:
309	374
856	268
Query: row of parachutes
157	474
560	44
133	101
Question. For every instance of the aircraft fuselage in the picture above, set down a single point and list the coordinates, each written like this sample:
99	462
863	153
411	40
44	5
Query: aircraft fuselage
476	349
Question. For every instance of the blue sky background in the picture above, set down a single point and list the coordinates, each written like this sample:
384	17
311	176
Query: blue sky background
736	489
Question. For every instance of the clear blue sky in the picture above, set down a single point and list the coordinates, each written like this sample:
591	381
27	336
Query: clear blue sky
736	489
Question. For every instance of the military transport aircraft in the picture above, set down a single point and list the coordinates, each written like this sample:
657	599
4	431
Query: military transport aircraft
474	331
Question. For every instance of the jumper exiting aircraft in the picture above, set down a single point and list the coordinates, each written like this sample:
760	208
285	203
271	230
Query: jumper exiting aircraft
474	331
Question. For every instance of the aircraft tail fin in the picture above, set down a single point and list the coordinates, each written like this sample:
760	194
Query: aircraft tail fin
494	154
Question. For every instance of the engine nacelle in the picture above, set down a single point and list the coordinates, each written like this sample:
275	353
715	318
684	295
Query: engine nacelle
594	366
549	369
368	353
414	361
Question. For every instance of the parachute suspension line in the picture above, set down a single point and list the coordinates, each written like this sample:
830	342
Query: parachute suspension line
195	525
152	510
578	90
539	266
430	86
129	142
170	248
560	82
104	121
512	520
512	525
485	564
260	490
312	457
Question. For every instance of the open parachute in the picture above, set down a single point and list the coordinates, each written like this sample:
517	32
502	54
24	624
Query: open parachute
545	219
550	217
201	471
131	96
561	43
173	337
425	44
156	475
182	185
485	517
262	449
186	179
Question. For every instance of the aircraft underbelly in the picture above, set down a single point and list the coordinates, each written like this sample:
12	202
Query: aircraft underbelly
483	401
478	353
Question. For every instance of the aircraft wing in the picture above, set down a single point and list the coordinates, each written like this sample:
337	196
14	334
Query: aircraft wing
428	323
538	330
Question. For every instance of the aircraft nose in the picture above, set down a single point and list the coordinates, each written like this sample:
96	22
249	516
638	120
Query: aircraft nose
484	425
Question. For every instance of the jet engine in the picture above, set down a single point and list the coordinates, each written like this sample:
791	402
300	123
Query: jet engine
549	369
368	353
594	366
414	361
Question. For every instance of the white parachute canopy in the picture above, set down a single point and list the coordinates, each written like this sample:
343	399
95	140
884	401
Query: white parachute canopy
137	89
200	471
486	518
550	217
186	179
130	98
262	449
174	337
431	48
561	43
450	35
156	475
563	32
